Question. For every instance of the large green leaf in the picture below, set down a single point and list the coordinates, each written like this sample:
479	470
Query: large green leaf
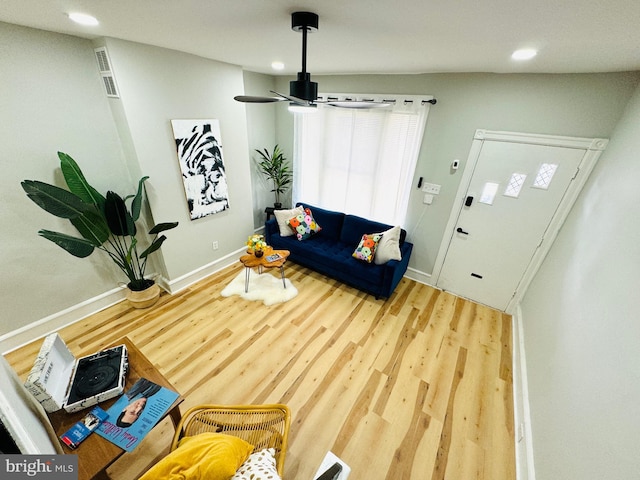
93	227
131	250
157	243
161	227
118	217
55	200
136	204
77	183
78	247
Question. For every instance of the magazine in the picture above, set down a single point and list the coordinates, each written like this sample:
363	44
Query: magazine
135	413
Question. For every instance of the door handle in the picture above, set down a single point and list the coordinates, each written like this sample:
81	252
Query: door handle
460	230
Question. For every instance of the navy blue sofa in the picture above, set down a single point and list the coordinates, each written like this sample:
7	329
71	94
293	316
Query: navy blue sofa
330	251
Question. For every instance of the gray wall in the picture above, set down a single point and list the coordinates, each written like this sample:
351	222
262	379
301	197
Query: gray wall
52	99
573	105
158	85
581	326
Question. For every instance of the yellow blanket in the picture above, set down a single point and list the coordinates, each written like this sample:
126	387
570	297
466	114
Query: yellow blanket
211	456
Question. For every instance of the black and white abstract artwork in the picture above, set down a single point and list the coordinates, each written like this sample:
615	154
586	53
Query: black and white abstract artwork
202	165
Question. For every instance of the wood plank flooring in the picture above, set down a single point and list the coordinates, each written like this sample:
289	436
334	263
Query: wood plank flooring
415	387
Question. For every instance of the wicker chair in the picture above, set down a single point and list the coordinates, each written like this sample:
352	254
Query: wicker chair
263	426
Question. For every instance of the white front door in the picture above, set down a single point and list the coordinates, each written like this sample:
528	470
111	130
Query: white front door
515	191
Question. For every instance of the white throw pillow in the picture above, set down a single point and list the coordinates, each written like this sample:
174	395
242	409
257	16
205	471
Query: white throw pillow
260	465
283	216
389	247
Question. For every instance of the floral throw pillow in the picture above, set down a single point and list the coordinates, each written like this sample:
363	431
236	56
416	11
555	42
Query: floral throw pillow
304	225
366	249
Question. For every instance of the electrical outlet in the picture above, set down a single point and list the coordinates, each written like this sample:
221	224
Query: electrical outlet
215	245
432	188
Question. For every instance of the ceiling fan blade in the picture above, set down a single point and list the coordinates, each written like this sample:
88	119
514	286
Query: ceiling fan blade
257	99
291	98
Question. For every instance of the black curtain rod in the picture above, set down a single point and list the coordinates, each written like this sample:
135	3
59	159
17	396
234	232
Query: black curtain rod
433	101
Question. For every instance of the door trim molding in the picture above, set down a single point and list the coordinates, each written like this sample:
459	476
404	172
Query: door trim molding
593	148
582	143
523	437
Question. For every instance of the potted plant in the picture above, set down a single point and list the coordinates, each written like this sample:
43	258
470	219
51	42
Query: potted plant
104	222
275	167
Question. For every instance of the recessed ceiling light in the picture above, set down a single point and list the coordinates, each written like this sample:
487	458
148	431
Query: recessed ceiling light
277	65
83	19
524	54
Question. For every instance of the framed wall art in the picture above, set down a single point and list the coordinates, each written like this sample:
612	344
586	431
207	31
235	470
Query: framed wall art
202	165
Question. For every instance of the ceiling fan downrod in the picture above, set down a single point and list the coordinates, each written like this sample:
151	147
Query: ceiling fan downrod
303	87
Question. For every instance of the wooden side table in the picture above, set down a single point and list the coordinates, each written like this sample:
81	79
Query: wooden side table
95	454
251	261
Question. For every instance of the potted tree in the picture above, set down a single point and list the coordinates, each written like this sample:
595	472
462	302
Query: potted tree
275	167
104	222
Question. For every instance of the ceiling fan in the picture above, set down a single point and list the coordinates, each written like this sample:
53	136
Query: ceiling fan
303	92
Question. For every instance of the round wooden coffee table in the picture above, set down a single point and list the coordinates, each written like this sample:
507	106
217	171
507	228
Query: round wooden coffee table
250	261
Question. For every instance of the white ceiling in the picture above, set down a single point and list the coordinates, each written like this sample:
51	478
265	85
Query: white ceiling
366	36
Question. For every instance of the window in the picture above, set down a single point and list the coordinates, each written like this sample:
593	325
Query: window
489	193
545	175
359	161
515	185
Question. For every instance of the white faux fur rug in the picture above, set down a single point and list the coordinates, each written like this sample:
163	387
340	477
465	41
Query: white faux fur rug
266	287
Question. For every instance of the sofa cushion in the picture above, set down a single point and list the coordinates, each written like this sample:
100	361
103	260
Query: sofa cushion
330	221
283	217
389	246
304	225
366	249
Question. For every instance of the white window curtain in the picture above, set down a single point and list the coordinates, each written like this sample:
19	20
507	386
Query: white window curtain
359	161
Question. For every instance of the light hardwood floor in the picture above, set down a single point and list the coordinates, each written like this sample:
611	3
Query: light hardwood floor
415	387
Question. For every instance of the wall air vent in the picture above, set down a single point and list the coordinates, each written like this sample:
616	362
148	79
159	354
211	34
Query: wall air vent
108	79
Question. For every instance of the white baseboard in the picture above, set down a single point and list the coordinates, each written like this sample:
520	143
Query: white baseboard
190	278
522	417
418	276
41	328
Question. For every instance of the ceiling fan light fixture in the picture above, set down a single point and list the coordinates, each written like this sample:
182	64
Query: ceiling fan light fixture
297	108
303	87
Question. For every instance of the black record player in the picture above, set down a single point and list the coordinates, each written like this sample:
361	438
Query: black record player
58	380
97	374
